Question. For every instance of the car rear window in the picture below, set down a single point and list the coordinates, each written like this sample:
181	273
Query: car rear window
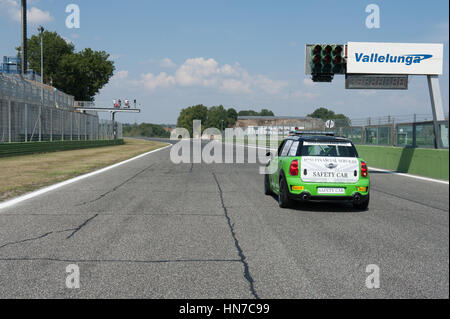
328	149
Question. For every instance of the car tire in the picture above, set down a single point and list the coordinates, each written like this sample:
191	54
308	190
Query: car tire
267	189
362	205
283	198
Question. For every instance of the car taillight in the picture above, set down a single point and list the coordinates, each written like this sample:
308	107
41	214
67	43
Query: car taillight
293	169
363	169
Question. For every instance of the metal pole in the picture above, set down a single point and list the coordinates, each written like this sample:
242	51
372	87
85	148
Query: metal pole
113	115
51	125
9	120
436	107
24	37
62	125
25	120
41	30
71	126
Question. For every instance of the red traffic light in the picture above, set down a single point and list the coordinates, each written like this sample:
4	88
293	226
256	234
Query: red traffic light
328	49
317	49
337	50
337	59
316	59
327	59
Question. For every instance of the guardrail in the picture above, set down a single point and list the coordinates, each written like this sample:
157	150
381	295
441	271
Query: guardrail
15	149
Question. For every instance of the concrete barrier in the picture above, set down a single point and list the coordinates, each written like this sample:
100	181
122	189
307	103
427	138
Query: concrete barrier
418	161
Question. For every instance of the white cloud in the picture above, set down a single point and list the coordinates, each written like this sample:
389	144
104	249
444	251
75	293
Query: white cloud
201	72
12	9
120	79
152	82
37	16
167	63
120	75
308	82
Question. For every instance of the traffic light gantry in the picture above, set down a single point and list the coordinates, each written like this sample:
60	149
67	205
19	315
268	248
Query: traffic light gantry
325	60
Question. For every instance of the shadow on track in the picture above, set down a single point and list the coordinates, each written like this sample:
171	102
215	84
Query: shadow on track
323	206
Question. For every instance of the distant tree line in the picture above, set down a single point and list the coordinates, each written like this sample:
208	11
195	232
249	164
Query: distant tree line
326	114
215	116
144	129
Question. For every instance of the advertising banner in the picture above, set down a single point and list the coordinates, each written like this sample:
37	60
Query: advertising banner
395	58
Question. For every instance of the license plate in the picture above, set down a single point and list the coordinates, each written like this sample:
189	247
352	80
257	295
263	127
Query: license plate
330	190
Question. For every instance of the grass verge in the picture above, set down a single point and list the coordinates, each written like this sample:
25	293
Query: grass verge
23	174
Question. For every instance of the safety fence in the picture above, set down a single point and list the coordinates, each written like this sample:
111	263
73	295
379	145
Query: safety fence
30	111
415	130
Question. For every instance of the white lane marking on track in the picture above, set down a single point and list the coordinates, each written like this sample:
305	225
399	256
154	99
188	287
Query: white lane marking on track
409	175
371	168
47	189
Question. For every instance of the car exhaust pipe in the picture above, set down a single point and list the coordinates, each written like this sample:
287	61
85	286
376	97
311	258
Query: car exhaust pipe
305	196
357	197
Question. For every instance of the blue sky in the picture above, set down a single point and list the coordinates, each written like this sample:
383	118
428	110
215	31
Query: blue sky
241	54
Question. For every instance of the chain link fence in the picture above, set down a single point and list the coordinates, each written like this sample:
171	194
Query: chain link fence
30	111
414	130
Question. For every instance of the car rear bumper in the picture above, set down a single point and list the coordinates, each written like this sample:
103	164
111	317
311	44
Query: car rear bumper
299	188
306	196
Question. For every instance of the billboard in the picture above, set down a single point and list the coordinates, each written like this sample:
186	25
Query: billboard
395	58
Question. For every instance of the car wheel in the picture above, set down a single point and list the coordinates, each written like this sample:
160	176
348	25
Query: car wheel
283	199
362	205
267	189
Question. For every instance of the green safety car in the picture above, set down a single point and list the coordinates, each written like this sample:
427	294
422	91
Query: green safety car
317	166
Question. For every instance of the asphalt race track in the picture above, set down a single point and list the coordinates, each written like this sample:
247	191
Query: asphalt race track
154	229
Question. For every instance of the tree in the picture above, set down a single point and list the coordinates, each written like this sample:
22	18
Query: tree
322	113
266	112
248	113
326	114
55	47
145	129
80	74
83	74
232	116
216	117
188	115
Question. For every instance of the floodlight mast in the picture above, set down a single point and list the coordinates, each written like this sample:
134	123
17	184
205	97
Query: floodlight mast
24	37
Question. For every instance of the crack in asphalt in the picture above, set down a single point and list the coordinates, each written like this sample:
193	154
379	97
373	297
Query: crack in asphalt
116	187
34	238
118	260
243	259
75	230
409	199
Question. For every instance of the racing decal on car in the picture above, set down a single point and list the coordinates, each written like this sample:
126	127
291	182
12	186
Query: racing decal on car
324	169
